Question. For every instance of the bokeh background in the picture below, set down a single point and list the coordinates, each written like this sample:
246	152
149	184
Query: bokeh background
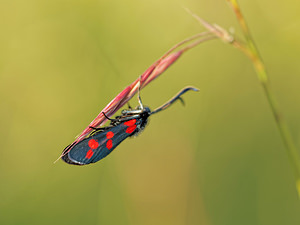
217	161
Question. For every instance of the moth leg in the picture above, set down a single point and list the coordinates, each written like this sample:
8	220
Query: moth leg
112	120
139	96
129	106
97	128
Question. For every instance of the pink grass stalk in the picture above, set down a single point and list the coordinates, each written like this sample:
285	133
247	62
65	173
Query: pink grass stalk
149	75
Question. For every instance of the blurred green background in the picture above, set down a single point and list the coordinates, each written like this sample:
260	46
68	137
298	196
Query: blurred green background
217	161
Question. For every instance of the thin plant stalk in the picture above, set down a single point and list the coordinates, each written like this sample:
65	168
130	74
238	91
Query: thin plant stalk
252	52
249	49
156	69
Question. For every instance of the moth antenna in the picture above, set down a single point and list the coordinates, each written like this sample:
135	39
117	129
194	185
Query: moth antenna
175	98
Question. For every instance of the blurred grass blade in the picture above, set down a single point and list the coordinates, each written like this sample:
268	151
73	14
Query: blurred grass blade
249	48
263	77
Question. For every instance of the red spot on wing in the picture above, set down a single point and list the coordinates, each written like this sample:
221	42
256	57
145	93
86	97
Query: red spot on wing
93	144
89	154
109	144
109	134
130	129
130	123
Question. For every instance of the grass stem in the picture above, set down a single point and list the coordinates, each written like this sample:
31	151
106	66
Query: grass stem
251	51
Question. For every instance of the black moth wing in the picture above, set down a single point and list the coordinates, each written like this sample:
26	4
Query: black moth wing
102	143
